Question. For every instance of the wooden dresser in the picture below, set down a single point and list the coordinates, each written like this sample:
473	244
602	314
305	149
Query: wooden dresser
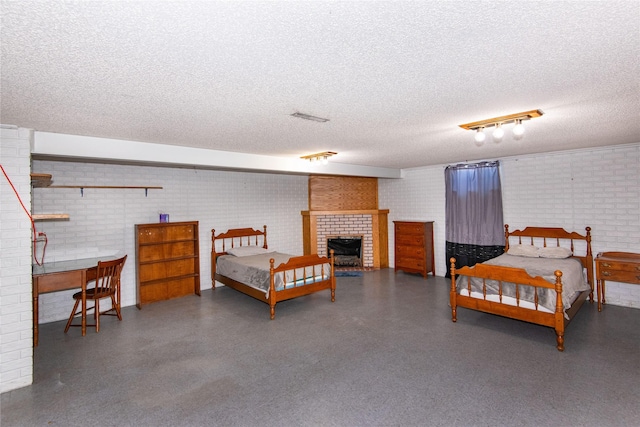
414	247
617	267
167	261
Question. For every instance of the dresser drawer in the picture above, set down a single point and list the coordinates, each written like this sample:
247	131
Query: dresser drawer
409	240
628	276
411	252
619	266
408	228
411	264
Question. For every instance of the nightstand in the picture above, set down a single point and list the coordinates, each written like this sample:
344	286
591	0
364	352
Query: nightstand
618	267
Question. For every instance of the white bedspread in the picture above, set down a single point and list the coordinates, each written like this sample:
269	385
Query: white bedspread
573	279
254	271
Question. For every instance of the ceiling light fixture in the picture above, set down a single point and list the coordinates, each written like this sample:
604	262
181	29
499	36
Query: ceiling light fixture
497	122
518	130
480	136
319	157
498	133
309	117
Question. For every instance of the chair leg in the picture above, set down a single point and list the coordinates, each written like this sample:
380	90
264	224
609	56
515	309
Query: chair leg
97	314
73	314
115	306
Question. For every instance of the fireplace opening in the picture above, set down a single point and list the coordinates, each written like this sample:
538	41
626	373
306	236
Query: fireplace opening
347	250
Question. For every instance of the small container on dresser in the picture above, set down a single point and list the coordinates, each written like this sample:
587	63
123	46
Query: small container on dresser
414	247
167	261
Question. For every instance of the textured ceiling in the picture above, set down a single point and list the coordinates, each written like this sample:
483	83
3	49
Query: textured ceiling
394	78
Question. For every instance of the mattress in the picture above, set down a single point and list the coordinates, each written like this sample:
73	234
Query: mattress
573	281
254	271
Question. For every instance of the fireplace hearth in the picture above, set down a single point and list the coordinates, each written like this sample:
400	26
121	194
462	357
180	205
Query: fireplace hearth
347	250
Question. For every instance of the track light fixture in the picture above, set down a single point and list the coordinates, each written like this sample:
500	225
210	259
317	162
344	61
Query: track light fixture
497	122
319	157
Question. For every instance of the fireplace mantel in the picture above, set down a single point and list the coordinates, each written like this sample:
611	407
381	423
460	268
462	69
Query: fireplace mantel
348	212
379	231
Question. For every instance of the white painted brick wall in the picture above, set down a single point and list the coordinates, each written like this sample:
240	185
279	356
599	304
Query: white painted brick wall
599	188
16	355
419	196
102	221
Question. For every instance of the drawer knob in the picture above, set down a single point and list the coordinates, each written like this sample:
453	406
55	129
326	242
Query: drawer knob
606	273
604	264
638	267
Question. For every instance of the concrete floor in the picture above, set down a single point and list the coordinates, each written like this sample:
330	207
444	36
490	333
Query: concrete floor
385	353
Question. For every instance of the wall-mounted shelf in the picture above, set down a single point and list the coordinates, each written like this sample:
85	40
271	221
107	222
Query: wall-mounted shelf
44	180
82	187
45	217
40	179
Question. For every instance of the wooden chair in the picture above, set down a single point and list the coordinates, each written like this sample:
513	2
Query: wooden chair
107	286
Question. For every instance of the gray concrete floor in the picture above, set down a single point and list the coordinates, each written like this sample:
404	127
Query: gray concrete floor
385	353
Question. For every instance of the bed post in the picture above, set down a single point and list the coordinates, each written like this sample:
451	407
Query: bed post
272	289
589	265
333	277
213	259
452	293
559	314
506	238
264	245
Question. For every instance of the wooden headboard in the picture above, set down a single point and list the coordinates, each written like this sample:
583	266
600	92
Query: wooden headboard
545	236
236	237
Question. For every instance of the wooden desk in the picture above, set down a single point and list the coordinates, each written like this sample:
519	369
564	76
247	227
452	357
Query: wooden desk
62	275
618	267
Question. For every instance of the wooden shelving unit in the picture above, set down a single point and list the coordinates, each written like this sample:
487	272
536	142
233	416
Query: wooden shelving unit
167	261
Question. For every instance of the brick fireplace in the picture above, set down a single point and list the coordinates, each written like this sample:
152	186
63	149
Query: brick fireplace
346	226
371	225
346	206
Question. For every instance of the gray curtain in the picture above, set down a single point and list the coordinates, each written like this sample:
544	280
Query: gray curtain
474	227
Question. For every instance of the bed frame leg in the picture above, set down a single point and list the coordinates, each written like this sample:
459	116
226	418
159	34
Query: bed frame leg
560	341
453	291
273	311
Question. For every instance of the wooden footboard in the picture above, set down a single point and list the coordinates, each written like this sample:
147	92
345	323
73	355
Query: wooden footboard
307	274
301	275
504	276
543	237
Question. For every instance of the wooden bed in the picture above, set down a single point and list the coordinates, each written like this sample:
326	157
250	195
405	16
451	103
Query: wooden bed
300	275
504	278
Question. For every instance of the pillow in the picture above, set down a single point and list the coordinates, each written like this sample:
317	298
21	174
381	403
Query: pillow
524	250
247	250
554	252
